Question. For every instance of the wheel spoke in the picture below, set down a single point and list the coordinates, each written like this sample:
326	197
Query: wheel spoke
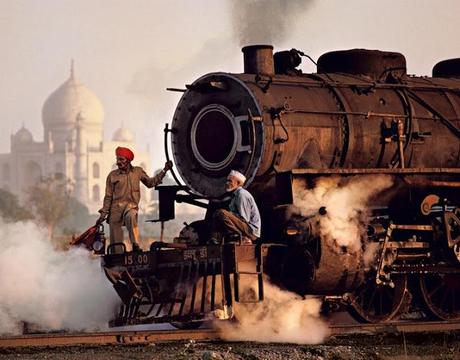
444	297
436	289
440	293
370	302
454	307
388	295
379	303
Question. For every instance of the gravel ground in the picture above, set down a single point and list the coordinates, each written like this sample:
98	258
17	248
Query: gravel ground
411	346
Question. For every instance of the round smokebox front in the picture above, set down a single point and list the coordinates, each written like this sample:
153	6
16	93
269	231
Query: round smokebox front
214	131
214	136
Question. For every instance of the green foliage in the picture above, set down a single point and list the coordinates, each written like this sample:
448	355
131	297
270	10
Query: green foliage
78	220
49	200
10	209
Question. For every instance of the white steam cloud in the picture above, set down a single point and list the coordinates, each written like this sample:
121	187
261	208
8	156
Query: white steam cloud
282	317
265	21
48	288
346	202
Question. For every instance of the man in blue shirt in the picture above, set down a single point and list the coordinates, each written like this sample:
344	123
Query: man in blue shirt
242	218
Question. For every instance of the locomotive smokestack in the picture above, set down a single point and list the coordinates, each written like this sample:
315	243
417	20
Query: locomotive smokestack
258	59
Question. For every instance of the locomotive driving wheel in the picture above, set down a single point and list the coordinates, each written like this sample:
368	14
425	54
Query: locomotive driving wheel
379	303
441	294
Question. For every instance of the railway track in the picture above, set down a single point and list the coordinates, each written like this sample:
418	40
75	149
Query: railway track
107	338
154	336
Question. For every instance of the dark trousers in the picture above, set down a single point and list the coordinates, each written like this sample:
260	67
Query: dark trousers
226	224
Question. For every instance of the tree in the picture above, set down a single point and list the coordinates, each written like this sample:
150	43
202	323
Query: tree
78	220
49	200
10	209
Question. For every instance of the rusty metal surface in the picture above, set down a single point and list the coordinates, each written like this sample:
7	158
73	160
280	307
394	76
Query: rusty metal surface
178	284
337	271
168	284
377	65
315	121
447	68
360	116
258	59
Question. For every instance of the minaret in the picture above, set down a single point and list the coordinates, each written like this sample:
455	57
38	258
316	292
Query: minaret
81	163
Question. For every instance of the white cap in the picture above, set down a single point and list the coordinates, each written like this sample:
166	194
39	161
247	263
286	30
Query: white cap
239	176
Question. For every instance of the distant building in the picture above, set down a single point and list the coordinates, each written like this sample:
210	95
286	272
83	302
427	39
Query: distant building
73	146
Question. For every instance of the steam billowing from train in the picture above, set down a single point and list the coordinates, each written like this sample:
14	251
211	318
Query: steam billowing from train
282	317
345	203
49	289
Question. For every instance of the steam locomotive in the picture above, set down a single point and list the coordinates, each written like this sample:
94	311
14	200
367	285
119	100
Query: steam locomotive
361	117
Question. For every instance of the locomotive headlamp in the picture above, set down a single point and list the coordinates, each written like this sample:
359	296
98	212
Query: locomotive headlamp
99	242
98	246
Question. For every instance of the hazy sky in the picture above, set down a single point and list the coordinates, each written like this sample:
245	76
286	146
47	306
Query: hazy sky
128	52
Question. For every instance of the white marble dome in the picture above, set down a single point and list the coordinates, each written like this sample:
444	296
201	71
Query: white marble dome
71	100
123	134
23	135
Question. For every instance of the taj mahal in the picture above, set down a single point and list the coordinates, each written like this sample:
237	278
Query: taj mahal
73	147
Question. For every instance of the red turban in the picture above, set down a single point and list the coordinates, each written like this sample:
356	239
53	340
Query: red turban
124	152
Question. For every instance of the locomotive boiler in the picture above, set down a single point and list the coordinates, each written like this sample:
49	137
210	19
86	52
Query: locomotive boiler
359	119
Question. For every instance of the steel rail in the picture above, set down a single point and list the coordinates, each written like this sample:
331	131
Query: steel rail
150	336
106	338
395	327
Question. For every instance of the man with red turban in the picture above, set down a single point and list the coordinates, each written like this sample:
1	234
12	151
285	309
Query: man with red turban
122	196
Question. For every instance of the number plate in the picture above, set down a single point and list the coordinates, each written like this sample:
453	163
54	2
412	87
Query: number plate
136	260
196	254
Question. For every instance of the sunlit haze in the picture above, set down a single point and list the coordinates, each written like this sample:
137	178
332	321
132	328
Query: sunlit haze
127	53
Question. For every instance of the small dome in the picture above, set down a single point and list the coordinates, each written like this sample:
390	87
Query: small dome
71	100
23	135
123	134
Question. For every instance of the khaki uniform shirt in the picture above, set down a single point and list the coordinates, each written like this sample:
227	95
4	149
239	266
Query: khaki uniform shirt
124	188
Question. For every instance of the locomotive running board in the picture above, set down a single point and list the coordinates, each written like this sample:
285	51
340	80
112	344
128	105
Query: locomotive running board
434	177
413	171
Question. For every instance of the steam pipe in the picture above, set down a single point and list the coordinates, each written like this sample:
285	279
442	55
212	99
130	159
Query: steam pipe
167	130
